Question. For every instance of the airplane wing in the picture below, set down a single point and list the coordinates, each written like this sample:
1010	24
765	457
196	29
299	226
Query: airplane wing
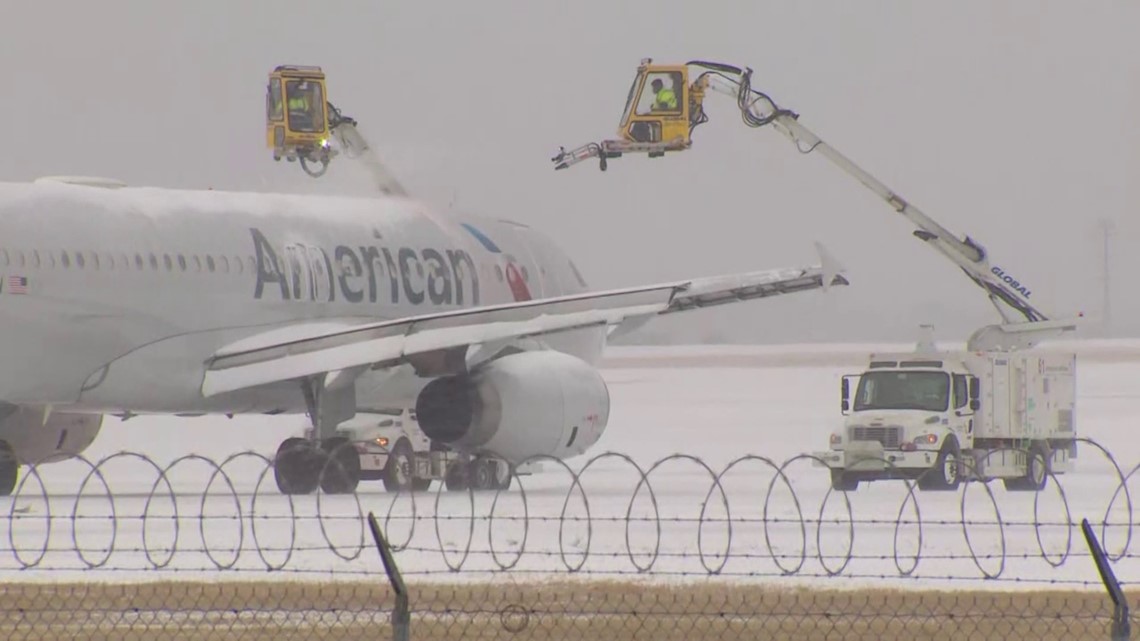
334	350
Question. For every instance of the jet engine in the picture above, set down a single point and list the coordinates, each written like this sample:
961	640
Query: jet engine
34	440
518	406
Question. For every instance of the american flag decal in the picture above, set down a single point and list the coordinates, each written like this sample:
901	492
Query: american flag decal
17	284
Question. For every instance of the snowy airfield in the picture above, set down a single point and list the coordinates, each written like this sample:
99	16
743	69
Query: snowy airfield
731	412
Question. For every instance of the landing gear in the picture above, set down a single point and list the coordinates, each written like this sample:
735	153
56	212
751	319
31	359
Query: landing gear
478	474
9	469
301	466
341	466
327	461
297	467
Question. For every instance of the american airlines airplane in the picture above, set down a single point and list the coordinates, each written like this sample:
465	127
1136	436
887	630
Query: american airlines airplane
121	300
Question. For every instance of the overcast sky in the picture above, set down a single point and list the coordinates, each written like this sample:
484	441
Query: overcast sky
1014	122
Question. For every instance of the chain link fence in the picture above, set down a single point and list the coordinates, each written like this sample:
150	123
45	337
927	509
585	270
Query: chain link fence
202	549
280	611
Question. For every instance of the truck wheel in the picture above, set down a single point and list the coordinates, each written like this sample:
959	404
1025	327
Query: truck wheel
946	474
398	472
1036	471
1039	467
483	475
504	482
842	483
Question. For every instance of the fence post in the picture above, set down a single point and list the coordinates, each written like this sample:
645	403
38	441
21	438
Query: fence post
401	616
1121	626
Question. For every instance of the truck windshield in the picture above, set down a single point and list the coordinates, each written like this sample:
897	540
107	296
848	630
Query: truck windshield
929	391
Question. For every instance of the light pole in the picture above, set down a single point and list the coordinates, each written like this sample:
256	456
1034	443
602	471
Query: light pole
1107	228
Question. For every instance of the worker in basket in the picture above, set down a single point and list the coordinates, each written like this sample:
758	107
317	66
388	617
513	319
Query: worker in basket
663	99
302	110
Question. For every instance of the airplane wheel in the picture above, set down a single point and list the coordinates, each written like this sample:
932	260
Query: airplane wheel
398	476
295	467
340	466
9	469
455	480
421	485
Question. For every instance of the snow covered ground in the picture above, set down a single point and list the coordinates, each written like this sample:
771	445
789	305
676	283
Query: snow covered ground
744	409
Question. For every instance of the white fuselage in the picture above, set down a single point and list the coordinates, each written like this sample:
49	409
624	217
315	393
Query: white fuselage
113	299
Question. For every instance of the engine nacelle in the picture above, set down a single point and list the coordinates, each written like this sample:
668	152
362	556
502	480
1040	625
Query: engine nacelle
62	436
518	406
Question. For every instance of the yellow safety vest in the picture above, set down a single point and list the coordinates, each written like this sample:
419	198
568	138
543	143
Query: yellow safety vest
666	99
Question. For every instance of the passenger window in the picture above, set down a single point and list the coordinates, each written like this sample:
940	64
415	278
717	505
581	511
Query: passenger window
209	263
138	261
197	264
167	262
94	260
499	273
181	262
35	258
153	262
80	262
225	264
20	258
961	391
64	261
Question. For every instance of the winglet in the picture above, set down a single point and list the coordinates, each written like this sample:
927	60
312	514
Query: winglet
832	269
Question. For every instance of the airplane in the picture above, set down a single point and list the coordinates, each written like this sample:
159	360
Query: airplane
121	300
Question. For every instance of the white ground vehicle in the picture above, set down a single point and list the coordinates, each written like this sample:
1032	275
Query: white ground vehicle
942	418
394	449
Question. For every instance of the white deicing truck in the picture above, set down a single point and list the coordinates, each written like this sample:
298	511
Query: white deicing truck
942	417
392	448
997	410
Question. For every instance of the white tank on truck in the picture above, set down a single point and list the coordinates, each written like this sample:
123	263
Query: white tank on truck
941	418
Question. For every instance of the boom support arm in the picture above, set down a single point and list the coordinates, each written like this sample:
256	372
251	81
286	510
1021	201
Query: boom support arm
1007	295
1023	323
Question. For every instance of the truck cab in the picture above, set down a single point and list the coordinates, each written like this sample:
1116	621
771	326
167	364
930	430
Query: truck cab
910	416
